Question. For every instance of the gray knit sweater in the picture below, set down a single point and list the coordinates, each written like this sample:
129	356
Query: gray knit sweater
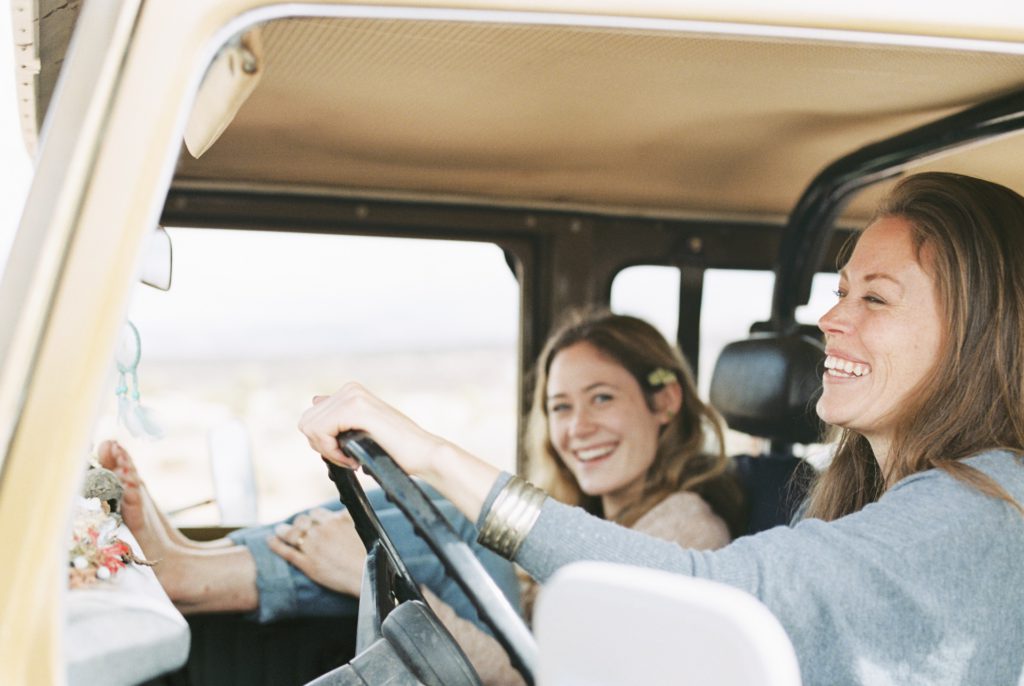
926	586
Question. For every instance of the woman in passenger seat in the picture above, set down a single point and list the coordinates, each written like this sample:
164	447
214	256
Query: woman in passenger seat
616	427
906	567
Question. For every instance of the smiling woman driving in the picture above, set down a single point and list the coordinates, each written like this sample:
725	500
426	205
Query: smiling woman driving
906	564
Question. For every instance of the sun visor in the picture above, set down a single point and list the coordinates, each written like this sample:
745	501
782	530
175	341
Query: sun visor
228	82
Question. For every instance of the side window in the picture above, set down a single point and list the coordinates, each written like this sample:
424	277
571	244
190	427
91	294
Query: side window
256	323
735	299
823	297
651	293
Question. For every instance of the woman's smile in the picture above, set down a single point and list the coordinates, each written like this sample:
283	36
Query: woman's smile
593	454
839	367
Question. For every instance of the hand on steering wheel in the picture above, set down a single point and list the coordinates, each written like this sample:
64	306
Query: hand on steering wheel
457	558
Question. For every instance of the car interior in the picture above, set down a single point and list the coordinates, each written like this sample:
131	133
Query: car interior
581	144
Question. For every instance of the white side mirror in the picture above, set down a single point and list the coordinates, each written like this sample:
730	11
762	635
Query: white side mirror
604	624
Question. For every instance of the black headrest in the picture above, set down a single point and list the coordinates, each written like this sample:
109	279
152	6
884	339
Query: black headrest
767	386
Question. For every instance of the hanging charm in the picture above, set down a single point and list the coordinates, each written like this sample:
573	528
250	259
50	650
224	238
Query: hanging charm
130	412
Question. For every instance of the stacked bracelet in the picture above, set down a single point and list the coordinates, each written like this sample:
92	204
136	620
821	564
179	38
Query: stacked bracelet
513	514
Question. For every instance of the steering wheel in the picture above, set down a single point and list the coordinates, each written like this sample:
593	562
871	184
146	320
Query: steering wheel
396	628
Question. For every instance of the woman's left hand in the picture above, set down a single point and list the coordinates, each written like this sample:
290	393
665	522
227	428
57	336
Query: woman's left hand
324	545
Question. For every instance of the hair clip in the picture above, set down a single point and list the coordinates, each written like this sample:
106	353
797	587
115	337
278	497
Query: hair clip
661	376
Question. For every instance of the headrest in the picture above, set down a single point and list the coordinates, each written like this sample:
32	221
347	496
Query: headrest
767	386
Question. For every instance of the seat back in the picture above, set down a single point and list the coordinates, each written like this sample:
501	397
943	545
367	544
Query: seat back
767	386
603	624
775	486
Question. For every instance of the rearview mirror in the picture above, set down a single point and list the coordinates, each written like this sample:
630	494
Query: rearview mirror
156	260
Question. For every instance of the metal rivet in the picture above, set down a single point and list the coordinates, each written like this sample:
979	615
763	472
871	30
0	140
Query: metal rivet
695	244
249	62
362	211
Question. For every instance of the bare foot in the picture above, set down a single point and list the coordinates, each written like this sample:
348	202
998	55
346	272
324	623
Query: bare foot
136	499
196	579
137	503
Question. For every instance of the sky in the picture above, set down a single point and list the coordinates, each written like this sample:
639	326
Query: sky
15	165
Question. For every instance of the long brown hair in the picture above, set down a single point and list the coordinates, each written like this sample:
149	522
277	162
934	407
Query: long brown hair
682	460
973	232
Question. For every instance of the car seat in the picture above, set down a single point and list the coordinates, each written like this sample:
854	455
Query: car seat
767	386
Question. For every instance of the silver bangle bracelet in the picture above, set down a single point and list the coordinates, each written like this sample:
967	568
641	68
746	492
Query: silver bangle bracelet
513	514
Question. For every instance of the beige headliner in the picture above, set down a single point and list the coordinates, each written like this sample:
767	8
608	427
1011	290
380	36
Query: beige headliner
612	118
615	119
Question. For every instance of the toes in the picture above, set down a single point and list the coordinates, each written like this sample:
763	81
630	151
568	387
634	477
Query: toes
106	456
125	464
111	455
124	460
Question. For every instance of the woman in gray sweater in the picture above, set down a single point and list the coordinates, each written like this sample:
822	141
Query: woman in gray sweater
906	566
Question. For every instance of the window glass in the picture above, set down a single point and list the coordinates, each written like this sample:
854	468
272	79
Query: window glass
823	297
651	293
256	323
733	300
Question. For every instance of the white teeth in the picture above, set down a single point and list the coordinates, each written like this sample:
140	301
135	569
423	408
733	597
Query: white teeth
845	368
588	454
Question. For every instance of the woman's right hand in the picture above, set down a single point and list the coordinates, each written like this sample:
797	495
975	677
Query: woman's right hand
460	477
353	407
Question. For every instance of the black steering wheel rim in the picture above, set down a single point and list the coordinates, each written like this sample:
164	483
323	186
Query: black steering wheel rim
430	524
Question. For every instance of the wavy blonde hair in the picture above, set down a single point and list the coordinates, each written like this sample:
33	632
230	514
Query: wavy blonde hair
973	234
682	461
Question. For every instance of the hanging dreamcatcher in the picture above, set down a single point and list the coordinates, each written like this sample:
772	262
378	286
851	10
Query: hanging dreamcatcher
130	412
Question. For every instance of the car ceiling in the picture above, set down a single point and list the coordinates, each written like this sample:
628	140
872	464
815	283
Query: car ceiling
620	120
